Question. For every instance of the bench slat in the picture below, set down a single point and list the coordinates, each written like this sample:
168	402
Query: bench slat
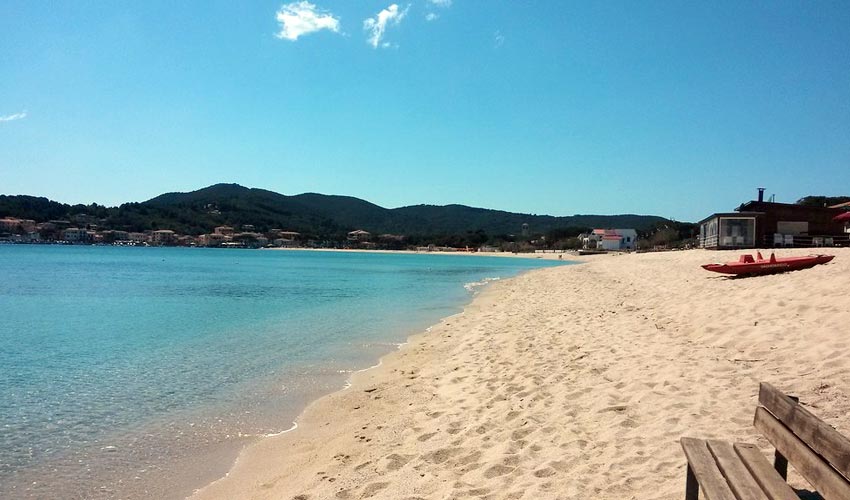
771	483
811	466
711	480
819	435
737	475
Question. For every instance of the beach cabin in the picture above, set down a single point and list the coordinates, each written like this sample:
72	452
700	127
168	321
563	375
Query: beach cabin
766	224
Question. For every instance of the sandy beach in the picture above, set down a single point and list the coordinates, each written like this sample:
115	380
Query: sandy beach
569	382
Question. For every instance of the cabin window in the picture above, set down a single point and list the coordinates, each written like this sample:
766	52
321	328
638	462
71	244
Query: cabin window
736	232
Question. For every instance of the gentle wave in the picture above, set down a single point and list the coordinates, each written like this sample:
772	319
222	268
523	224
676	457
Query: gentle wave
476	285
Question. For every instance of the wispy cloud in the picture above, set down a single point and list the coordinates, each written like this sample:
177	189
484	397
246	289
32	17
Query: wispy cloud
376	26
13	117
498	39
442	4
301	18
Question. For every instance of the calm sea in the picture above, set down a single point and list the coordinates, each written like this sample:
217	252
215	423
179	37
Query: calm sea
120	367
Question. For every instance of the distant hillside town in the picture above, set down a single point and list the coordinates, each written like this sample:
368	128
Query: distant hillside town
83	231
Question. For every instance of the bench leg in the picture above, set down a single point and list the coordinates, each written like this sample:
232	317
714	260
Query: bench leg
780	463
691	485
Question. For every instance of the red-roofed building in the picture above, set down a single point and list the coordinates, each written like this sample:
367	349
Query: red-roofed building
610	239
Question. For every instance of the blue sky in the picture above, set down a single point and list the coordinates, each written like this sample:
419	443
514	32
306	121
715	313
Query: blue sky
676	109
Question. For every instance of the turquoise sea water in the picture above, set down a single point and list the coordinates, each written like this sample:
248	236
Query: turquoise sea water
119	366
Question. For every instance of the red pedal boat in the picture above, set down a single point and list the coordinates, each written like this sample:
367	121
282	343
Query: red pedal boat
749	266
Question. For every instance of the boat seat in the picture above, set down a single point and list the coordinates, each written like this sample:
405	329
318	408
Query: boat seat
747	259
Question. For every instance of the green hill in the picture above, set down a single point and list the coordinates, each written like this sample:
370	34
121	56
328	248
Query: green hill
317	215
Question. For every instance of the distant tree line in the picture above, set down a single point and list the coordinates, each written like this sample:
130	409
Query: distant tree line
822	201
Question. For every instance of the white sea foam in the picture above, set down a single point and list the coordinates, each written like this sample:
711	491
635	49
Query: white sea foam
475	285
348	382
294	426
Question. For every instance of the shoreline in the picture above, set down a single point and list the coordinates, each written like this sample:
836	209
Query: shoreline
519	255
475	289
539	389
352	382
155	455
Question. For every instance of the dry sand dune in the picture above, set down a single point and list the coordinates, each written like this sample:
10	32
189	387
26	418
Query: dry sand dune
572	382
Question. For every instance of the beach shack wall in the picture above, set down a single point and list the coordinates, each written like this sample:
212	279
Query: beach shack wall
800	221
763	224
619	239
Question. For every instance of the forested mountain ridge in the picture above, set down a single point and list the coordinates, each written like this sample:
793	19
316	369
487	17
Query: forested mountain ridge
319	215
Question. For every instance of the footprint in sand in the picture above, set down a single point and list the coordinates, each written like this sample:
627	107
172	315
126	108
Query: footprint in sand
545	472
364	464
373	488
441	455
398	461
468	459
426	437
521	433
497	470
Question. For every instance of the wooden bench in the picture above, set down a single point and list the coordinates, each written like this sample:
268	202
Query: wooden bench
726	471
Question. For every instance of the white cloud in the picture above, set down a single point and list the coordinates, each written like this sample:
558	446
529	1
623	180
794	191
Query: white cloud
13	117
441	3
376	26
301	18
431	16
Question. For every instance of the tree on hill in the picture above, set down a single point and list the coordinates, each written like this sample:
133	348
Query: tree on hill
822	201
32	207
